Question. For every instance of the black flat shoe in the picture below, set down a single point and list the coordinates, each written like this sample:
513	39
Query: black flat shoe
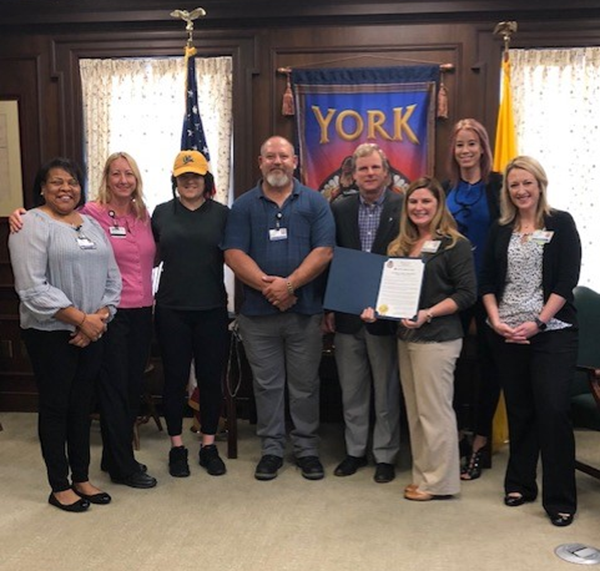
515	501
100	499
561	519
78	506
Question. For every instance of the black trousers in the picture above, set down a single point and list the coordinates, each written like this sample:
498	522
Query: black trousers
536	379
65	377
488	389
127	347
202	336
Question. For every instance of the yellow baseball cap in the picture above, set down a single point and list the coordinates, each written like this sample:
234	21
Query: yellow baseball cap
190	161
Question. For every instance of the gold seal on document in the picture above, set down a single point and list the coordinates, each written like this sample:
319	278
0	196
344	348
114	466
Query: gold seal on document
382	309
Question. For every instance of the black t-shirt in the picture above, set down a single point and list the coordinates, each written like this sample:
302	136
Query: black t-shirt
189	245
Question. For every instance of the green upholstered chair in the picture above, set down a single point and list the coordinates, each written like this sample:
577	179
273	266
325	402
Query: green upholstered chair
586	394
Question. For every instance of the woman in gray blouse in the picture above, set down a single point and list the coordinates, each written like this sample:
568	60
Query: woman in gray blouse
69	286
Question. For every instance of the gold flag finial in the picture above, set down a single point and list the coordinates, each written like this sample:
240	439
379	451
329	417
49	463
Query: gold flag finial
188	18
506	30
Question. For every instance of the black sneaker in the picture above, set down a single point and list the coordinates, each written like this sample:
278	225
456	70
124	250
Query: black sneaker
178	462
267	468
311	467
209	458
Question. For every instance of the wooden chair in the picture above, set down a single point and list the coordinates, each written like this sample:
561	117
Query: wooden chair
587	302
149	410
237	389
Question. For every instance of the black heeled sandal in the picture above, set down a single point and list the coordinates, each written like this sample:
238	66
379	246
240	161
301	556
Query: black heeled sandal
464	448
473	469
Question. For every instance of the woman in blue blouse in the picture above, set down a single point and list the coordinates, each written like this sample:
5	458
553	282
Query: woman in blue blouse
473	199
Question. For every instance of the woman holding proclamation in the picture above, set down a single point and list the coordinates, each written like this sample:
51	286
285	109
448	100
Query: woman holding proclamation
429	344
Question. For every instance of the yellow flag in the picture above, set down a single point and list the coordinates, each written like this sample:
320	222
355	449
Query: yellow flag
505	148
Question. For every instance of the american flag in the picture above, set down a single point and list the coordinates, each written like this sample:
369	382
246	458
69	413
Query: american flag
192	135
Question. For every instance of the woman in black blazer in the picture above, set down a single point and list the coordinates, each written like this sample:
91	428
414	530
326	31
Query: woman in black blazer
531	266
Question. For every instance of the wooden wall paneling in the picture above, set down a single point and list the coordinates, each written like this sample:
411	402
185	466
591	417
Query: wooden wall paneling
22	81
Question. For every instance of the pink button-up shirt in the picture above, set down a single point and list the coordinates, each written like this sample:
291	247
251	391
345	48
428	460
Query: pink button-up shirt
134	253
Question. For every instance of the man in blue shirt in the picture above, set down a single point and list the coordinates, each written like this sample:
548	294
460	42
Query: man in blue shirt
278	240
366	354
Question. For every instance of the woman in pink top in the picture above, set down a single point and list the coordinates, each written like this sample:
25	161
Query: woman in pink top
119	208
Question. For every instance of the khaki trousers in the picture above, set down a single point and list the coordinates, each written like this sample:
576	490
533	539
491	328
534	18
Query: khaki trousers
427	377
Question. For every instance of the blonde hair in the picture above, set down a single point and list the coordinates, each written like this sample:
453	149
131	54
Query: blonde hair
508	211
104	194
366	150
442	223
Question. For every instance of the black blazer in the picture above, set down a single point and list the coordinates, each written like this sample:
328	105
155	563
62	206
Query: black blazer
561	261
345	213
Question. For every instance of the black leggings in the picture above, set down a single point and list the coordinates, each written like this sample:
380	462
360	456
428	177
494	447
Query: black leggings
203	337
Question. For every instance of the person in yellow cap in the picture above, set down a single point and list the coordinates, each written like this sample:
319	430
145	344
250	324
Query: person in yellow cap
191	305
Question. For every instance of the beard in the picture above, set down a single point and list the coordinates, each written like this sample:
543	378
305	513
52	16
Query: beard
278	179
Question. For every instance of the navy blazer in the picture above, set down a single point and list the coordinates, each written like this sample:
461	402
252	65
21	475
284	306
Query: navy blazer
345	213
560	264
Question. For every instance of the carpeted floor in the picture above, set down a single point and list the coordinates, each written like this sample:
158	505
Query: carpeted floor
234	522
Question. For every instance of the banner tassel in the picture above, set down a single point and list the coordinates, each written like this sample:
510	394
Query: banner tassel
442	102
287	105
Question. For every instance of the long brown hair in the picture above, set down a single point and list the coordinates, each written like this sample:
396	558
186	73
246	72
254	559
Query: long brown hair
442	223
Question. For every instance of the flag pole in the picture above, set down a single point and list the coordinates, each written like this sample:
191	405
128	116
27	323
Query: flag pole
188	18
505	149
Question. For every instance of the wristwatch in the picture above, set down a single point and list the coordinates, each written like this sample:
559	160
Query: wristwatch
540	324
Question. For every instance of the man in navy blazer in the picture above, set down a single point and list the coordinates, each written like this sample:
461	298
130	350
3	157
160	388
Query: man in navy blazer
366	354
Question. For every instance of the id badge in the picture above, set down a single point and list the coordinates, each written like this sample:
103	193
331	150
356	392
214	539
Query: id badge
276	234
431	246
542	236
85	243
118	231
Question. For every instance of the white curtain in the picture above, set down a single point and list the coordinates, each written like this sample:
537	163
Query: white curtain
137	106
556	99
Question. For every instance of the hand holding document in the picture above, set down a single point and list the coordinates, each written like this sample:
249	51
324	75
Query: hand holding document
360	279
400	288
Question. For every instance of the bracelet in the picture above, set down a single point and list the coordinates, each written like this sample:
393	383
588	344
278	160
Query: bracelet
429	315
83	320
290	287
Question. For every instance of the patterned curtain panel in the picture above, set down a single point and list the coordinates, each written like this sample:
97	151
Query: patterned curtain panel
555	102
